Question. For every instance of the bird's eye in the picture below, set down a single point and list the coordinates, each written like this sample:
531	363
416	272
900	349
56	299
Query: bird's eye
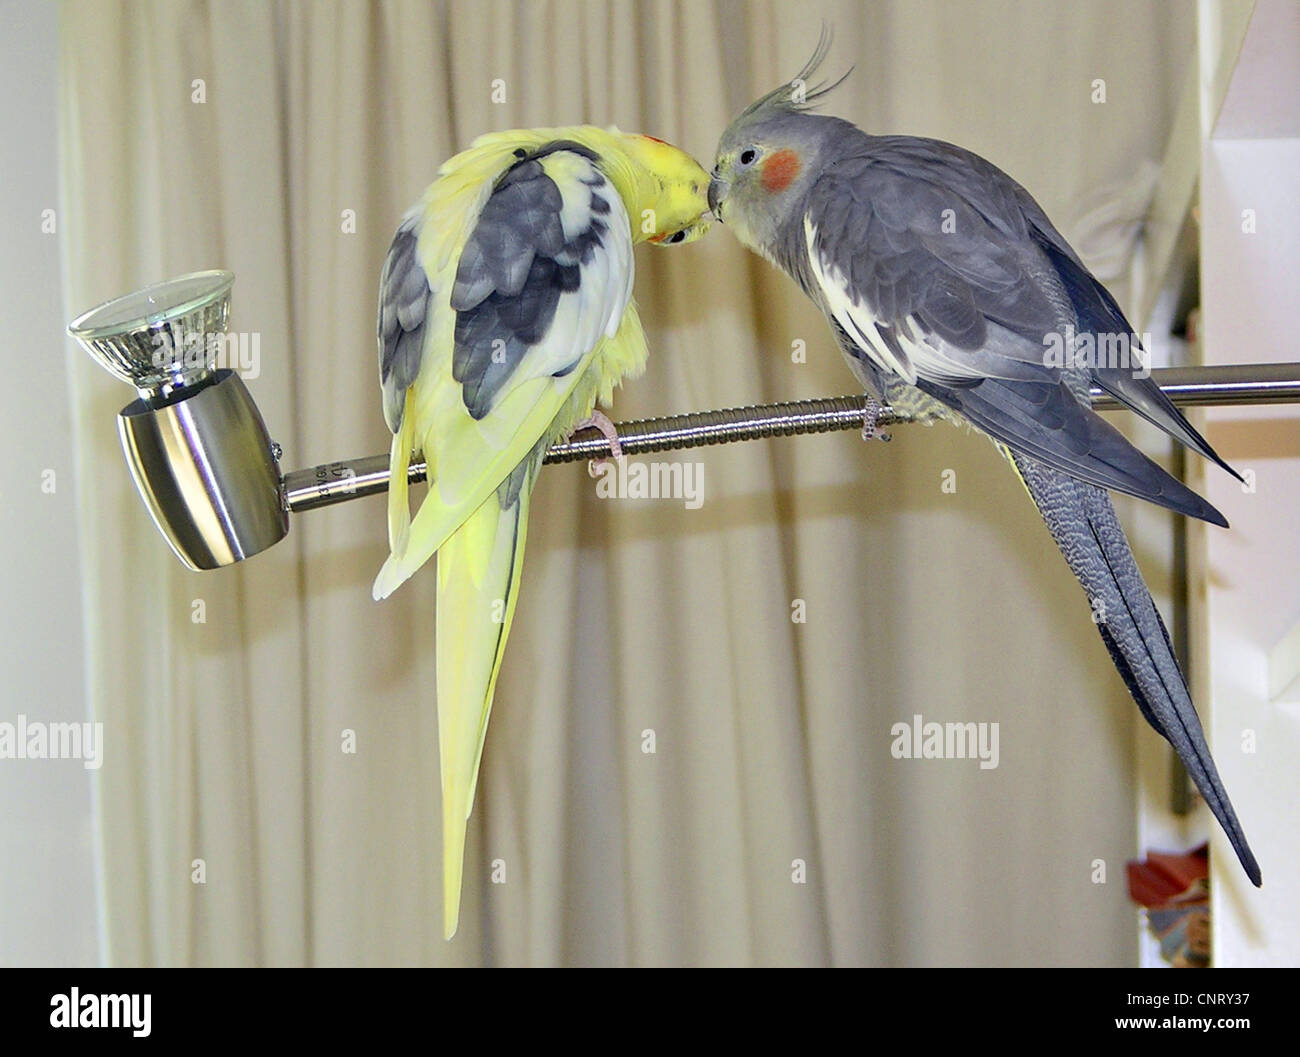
748	155
675	237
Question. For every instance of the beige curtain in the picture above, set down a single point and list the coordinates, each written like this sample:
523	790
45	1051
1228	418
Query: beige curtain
772	737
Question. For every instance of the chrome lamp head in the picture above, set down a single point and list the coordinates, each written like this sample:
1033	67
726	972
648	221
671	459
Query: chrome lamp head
194	440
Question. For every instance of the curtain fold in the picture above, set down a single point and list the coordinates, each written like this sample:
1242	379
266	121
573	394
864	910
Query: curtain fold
226	696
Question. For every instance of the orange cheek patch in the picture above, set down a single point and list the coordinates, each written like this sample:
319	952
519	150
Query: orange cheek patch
779	170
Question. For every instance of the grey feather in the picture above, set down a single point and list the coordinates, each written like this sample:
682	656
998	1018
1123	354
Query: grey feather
511	273
988	290
519	220
871	377
1047	422
1099	312
1083	523
403	309
516	265
883	226
523	476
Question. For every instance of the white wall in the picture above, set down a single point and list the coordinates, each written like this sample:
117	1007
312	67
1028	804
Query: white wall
1250	249
47	893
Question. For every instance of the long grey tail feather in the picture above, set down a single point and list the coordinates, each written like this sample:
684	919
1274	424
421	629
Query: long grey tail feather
1083	523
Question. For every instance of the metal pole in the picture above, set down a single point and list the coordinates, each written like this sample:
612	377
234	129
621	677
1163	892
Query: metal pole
337	482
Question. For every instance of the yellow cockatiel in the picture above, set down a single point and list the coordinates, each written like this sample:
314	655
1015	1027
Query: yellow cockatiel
505	311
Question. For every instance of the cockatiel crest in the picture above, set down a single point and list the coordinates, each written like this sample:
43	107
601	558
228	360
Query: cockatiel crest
769	156
505	312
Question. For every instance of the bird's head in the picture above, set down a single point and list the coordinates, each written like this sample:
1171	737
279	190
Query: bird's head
673	192
769	156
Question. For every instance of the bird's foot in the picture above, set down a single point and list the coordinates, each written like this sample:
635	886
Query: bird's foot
871	416
600	421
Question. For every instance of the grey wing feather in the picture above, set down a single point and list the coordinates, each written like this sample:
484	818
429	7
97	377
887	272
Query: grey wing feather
936	245
517	264
1099	313
512	272
403	309
1048	423
910	247
1012	211
860	363
519	221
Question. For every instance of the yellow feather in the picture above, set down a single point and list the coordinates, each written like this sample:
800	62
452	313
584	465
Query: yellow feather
399	464
478	581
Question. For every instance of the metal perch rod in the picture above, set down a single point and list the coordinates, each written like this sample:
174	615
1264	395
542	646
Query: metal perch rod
337	482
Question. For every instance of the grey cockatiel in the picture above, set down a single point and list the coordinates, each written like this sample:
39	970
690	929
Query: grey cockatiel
949	291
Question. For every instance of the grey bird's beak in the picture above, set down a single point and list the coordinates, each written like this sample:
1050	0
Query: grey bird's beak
717	192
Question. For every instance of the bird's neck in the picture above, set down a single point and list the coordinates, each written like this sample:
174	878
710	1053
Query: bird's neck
635	184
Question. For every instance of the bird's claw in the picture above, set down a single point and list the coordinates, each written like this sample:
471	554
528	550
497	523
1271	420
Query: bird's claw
871	415
600	421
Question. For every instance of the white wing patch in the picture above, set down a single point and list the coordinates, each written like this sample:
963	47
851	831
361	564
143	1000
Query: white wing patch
923	358
856	319
594	310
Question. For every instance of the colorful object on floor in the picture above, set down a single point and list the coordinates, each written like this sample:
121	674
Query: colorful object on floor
1175	890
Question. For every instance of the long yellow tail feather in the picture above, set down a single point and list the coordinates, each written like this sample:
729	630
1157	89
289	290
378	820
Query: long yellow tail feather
478	582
